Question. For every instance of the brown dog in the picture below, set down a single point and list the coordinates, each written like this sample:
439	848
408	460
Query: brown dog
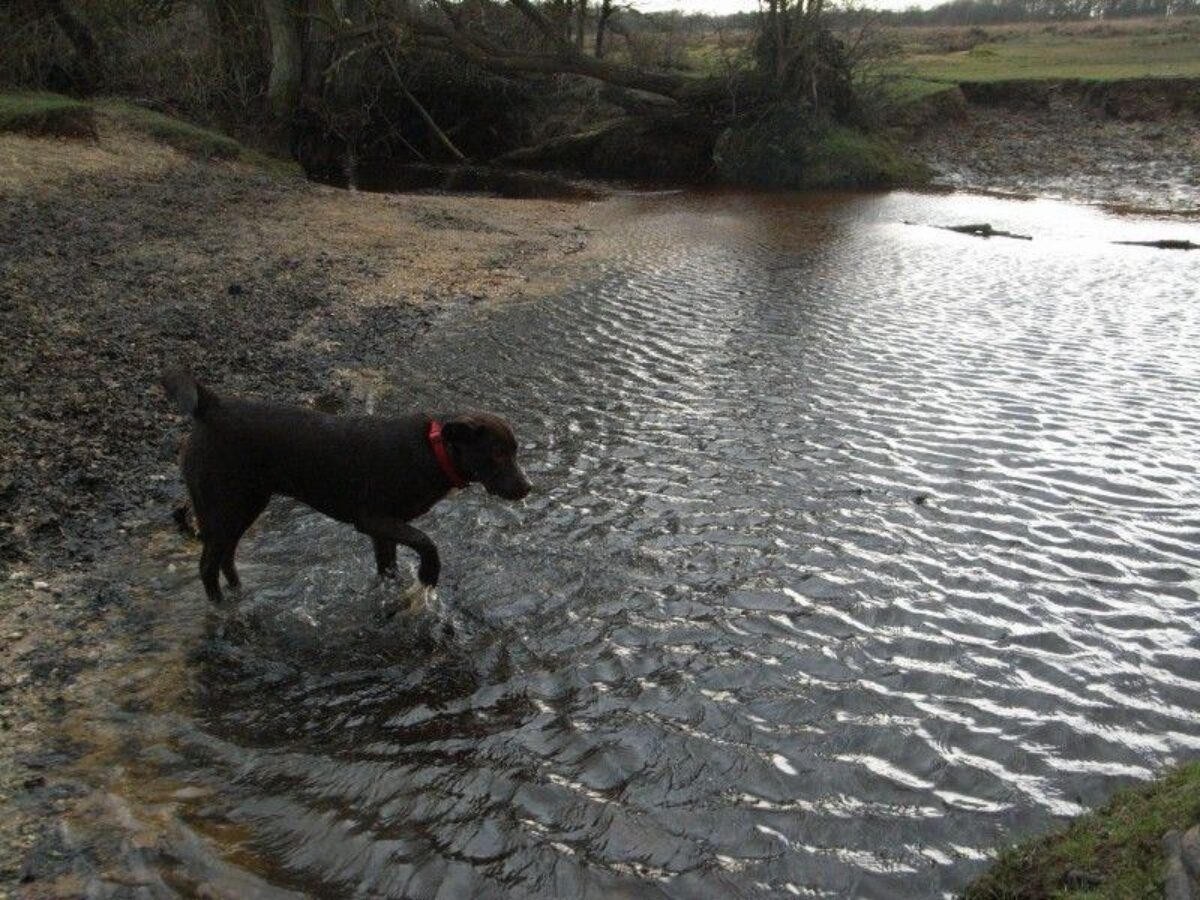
373	473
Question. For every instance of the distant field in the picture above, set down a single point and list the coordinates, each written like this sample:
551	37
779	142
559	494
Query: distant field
1136	48
1094	50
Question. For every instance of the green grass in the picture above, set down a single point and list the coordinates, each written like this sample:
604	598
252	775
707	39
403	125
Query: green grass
174	132
1117	849
909	90
1048	54
1091	50
711	54
41	113
844	157
52	114
910	102
193	139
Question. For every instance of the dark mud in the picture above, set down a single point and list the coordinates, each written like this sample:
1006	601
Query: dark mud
1134	146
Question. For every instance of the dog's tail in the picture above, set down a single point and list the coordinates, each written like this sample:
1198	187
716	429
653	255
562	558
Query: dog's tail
190	397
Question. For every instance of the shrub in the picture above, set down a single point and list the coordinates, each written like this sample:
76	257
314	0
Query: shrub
788	148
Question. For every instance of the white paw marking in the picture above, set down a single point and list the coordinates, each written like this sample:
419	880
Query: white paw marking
420	597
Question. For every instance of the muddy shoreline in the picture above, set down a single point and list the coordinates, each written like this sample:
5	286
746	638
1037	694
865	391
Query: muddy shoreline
1128	145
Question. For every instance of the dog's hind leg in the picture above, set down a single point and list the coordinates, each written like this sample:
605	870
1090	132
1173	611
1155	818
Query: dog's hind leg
250	511
211	556
222	525
230	569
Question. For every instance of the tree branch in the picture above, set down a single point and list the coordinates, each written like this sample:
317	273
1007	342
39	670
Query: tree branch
421	111
566	58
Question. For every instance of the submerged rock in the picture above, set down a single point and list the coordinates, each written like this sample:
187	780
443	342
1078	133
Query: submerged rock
1181	880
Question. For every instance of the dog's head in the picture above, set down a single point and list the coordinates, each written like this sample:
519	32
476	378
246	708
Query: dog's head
485	450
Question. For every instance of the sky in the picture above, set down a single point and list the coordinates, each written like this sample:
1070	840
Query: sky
728	6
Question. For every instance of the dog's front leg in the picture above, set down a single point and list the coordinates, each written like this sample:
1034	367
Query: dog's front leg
397	532
385	556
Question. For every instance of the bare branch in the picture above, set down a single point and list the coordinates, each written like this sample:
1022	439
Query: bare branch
421	110
566	58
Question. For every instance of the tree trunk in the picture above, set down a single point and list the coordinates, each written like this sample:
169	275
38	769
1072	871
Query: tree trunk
283	88
580	23
602	25
80	37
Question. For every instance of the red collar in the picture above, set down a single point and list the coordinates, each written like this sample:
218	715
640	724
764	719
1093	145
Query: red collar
442	454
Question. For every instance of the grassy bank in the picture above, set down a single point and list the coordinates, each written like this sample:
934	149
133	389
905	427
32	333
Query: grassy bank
787	150
41	114
174	132
1161	48
1092	50
1114	853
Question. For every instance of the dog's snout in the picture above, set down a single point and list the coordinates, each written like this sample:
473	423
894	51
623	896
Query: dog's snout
513	485
523	484
523	489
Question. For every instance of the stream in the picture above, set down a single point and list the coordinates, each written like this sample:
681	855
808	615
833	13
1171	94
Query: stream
856	549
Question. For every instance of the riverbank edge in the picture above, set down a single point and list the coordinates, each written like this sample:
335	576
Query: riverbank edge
1111	853
1129	144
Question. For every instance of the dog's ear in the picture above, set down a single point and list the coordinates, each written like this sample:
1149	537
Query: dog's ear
463	429
183	389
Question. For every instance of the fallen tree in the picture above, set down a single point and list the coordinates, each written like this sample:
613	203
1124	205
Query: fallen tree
1167	244
981	229
511	81
796	65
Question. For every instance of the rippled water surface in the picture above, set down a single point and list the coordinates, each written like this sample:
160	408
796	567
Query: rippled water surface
857	546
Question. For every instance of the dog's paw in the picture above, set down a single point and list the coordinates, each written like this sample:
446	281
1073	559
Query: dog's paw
228	623
420	598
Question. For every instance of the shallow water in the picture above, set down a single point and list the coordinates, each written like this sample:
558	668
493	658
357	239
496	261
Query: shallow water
856	548
518	184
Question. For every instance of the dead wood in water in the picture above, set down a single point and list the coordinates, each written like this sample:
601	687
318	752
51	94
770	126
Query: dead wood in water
983	230
1162	245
